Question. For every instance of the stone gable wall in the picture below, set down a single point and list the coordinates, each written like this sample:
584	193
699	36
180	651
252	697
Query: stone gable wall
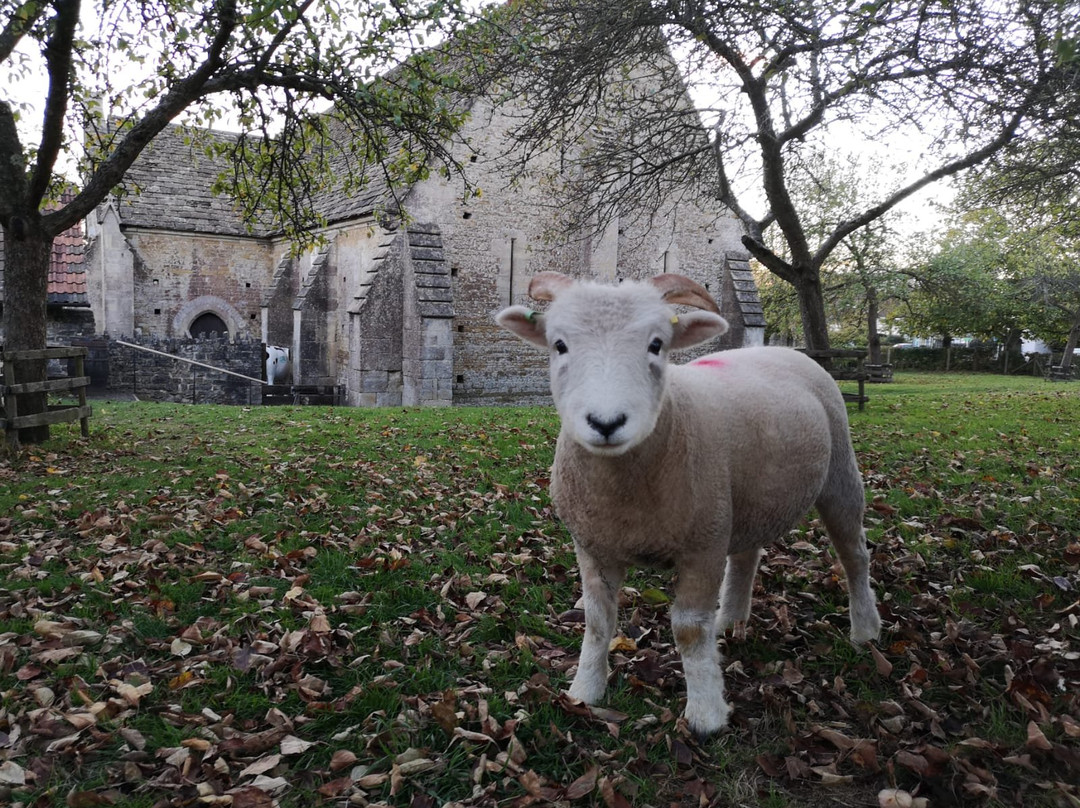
172	269
482	235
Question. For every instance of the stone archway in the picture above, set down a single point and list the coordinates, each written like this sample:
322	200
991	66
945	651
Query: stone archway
201	316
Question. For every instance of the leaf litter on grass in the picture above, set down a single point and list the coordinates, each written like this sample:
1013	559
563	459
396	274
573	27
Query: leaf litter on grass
253	624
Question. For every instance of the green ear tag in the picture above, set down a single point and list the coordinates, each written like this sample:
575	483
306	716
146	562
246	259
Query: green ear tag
530	315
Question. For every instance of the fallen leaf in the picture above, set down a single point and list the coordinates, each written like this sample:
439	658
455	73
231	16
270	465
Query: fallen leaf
291	745
251	798
584	785
1036	739
86	799
341	759
884	667
260	766
12	774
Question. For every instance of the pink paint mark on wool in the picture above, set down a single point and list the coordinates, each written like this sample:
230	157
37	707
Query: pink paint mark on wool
715	364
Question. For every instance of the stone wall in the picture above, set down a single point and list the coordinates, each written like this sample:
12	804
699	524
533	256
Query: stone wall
121	369
172	278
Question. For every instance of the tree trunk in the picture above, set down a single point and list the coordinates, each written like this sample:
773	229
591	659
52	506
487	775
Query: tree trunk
26	278
1070	346
873	338
815	324
1013	340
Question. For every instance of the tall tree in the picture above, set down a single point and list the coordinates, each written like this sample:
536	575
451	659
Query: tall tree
960	76
977	282
860	276
142	63
1035	184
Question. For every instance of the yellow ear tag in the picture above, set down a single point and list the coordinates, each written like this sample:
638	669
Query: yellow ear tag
675	320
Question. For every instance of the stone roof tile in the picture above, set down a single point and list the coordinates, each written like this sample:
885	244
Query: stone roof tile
170	184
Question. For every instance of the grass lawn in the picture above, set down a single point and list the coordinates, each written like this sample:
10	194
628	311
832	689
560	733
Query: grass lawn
295	607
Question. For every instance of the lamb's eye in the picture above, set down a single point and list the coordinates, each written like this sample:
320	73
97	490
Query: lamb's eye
560	346
656	345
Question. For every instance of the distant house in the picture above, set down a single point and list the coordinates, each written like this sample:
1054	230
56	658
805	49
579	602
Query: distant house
388	312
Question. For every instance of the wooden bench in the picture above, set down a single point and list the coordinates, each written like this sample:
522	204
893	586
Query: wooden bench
878	374
1056	373
844	365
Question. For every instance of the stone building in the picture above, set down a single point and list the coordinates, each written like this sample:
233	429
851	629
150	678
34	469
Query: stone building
388	312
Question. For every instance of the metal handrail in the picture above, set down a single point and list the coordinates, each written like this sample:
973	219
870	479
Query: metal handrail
189	361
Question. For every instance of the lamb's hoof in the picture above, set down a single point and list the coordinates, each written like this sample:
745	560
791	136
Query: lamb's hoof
866	630
704	723
588	692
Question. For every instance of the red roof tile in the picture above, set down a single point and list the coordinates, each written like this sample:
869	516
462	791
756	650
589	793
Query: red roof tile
67	276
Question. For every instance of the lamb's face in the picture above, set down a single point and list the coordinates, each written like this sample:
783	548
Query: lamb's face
609	348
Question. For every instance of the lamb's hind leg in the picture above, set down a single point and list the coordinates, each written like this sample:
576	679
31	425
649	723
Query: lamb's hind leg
842	512
738	589
600	586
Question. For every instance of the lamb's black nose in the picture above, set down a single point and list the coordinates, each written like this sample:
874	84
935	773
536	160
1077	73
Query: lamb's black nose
606	428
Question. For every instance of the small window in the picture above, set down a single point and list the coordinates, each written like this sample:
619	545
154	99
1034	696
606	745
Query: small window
157	311
208	324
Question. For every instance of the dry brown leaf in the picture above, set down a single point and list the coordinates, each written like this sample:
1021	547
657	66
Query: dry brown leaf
372	780
291	745
12	774
584	785
884	667
341	759
260	766
623	644
445	712
1036	739
251	798
86	799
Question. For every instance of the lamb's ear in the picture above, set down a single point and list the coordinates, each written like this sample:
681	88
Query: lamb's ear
546	285
696	327
680	289
525	323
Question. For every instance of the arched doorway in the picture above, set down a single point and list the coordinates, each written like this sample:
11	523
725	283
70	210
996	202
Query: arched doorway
208	325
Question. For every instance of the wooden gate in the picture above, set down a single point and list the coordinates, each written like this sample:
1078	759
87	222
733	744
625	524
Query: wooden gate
10	420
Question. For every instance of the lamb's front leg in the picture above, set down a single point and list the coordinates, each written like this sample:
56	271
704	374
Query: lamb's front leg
693	622
600	585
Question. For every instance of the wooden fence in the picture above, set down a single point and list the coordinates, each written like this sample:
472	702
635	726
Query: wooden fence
10	420
844	366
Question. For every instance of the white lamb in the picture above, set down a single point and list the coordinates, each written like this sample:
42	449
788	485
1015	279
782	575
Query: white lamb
693	467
